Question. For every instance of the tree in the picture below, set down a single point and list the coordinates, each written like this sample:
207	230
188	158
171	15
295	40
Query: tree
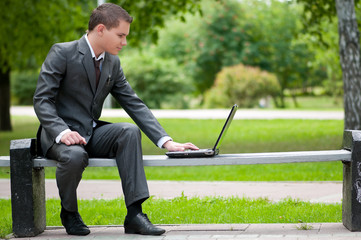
271	44
349	48
205	43
30	27
255	33
349	43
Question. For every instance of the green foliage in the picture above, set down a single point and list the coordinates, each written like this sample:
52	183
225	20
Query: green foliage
317	12
242	85
23	86
204	44
273	46
150	16
256	33
220	42
327	57
158	82
33	26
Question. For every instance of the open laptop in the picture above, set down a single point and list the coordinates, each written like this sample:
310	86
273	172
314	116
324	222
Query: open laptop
206	152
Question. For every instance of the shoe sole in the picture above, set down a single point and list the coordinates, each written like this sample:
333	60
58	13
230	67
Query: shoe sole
78	234
130	231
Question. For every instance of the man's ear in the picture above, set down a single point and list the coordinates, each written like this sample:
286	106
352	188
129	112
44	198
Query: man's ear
100	29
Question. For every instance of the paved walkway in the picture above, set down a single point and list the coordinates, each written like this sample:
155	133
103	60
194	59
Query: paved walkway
326	192
324	231
212	113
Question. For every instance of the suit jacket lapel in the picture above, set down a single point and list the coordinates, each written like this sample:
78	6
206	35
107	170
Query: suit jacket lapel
88	62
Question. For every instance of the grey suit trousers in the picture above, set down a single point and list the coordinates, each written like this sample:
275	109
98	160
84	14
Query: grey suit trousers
121	141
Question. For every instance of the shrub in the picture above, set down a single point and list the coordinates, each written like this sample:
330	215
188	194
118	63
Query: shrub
23	85
158	82
243	85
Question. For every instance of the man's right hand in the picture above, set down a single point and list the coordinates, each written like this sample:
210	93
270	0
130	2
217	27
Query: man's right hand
72	138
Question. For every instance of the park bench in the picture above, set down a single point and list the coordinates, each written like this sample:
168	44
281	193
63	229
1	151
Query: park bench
28	177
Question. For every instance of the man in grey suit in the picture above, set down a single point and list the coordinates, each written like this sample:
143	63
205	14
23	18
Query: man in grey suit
74	81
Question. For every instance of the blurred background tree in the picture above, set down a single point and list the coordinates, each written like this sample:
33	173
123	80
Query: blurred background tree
182	46
318	11
265	34
30	27
158	82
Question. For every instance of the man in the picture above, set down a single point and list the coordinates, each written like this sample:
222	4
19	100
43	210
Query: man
74	81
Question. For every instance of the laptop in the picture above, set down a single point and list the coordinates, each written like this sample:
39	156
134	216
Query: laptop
206	152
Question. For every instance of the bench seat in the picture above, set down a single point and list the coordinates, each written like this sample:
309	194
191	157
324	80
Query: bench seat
222	159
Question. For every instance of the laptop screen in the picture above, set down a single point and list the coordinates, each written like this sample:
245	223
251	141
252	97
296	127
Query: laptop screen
225	127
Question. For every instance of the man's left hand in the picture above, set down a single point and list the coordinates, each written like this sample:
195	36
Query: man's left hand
174	146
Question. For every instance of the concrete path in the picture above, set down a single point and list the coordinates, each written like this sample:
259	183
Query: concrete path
324	231
212	113
325	192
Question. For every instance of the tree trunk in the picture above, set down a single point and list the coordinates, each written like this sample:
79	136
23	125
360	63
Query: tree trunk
5	123
350	62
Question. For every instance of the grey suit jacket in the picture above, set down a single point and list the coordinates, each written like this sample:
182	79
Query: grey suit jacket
66	95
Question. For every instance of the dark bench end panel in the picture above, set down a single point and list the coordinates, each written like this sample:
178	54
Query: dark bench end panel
27	190
351	199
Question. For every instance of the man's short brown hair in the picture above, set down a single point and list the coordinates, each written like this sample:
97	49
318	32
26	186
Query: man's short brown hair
108	14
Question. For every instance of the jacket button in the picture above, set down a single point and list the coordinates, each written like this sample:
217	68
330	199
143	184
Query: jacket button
89	133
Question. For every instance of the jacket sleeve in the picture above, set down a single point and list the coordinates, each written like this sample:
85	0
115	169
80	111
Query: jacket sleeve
135	107
50	77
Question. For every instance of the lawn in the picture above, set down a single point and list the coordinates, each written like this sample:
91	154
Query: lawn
183	210
243	136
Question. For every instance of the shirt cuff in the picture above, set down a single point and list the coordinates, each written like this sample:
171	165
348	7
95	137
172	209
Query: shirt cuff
58	138
163	140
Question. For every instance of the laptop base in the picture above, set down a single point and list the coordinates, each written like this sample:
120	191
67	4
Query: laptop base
192	153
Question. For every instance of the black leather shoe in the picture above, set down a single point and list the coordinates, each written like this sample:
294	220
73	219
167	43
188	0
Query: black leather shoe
140	224
73	223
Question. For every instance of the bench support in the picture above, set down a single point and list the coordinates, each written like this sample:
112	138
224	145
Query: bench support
27	190
351	190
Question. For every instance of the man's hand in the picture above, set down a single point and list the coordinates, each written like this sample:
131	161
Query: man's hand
174	146
72	138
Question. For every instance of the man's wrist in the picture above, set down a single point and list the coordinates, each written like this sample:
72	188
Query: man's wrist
58	138
163	140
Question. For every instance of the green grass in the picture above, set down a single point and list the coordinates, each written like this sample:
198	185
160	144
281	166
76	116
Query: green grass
319	103
244	136
183	210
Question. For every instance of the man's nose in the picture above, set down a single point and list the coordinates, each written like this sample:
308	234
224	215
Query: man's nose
124	42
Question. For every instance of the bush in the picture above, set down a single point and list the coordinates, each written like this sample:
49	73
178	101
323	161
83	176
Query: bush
158	82
23	85
243	85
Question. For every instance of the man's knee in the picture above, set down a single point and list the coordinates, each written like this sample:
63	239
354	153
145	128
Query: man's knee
74	157
129	130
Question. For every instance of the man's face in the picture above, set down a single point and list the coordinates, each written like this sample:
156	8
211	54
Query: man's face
114	39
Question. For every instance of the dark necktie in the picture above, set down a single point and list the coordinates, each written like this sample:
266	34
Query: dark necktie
97	70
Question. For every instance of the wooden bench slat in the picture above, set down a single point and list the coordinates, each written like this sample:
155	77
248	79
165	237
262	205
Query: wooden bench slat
223	159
